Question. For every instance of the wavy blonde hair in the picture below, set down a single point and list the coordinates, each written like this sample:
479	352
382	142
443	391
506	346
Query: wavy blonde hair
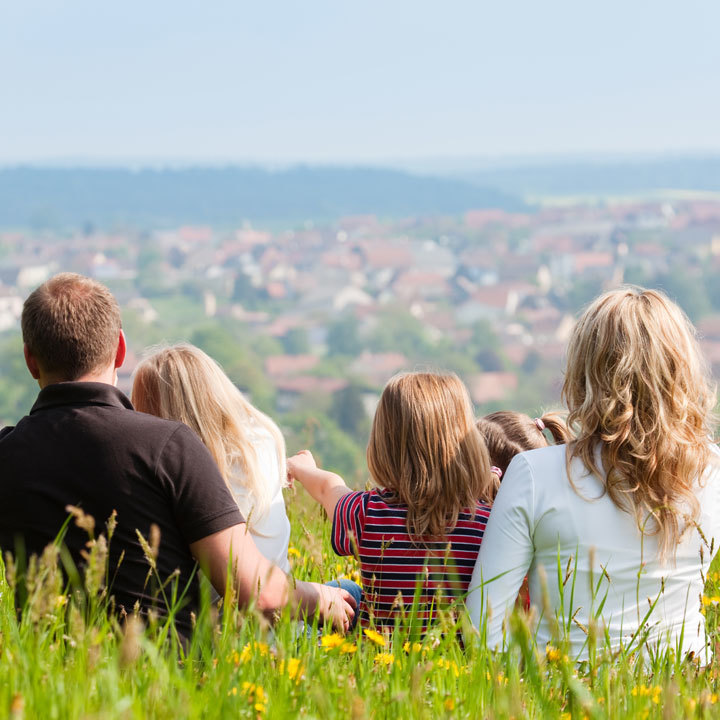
636	385
426	451
181	382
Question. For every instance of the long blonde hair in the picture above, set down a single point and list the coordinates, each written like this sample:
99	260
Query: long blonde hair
426	451
636	385
181	382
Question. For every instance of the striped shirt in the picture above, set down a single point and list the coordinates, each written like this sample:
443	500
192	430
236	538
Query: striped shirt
394	569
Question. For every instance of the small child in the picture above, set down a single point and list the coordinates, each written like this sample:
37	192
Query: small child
508	433
417	534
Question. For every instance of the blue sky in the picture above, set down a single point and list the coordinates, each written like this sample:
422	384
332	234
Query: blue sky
369	81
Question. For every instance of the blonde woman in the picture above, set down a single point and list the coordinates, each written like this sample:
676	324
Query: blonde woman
418	533
182	383
630	509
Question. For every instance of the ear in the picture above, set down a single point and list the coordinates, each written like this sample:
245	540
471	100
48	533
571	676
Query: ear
31	362
121	350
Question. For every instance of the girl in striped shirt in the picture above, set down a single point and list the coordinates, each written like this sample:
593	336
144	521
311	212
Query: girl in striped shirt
417	534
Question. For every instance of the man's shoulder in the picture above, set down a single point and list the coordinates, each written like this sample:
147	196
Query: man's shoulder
155	430
4	432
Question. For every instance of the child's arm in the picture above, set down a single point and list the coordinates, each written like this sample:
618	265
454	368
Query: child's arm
325	487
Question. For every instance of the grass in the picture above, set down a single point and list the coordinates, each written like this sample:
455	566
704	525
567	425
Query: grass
65	658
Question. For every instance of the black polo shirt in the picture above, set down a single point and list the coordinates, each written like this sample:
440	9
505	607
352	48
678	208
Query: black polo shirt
83	444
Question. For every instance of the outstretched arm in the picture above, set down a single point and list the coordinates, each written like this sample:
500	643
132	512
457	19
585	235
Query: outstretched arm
325	487
255	578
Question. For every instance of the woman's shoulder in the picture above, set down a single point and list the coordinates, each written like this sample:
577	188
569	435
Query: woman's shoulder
543	461
549	454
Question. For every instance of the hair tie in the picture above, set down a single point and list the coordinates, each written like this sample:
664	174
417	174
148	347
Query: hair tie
497	471
539	424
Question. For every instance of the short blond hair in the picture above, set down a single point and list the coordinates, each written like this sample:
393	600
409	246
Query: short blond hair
71	325
181	382
426	450
637	386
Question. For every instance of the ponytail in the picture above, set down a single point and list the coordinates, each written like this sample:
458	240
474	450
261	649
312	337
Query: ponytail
555	423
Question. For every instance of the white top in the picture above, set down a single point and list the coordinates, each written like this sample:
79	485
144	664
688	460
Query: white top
538	521
271	532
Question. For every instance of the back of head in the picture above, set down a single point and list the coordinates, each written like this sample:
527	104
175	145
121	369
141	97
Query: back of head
425	449
71	325
636	385
181	382
508	433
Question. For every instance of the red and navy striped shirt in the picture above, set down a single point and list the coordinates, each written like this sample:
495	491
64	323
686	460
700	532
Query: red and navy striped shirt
395	569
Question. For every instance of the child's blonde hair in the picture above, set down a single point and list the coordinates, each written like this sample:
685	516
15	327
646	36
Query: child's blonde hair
181	382
637	387
508	433
426	450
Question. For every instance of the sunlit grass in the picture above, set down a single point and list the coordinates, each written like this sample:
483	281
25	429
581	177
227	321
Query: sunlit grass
67	659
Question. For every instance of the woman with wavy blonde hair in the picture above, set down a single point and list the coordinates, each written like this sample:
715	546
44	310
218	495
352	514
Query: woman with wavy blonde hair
181	382
630	507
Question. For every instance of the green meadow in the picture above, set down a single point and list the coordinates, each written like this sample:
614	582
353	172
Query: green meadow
63	657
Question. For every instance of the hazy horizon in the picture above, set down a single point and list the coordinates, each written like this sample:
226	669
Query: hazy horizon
419	163
377	84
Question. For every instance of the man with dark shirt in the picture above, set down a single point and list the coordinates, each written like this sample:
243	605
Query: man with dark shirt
83	445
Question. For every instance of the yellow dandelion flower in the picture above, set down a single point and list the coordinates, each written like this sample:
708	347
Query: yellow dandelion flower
348	648
565	716
233	691
713	697
449	704
259	707
384	658
375	637
254	648
552	653
415	647
293	667
331	641
294	552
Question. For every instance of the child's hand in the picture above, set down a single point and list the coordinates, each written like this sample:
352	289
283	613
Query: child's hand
297	463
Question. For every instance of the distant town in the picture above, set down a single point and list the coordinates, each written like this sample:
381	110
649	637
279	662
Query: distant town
315	311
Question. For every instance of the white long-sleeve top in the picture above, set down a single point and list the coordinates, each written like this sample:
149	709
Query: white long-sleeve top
271	531
539	521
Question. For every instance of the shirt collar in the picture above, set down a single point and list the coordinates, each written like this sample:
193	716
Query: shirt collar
80	393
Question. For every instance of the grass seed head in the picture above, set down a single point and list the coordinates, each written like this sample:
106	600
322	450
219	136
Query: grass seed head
82	520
